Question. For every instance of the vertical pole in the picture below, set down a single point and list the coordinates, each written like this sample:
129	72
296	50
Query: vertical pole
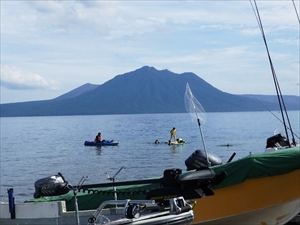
76	208
11	201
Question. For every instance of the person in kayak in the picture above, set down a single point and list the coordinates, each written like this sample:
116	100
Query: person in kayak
98	138
173	134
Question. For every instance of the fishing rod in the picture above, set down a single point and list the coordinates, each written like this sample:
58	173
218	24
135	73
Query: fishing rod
113	180
194	108
275	116
282	106
296	11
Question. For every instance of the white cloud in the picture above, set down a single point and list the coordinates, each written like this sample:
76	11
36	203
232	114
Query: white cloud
16	79
75	42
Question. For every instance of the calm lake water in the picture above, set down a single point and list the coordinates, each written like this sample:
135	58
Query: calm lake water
37	147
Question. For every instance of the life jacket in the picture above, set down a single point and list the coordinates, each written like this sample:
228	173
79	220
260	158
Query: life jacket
173	132
98	138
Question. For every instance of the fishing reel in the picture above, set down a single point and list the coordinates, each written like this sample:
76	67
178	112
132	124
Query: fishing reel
133	211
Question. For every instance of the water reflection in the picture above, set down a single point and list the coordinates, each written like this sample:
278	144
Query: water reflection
174	148
99	150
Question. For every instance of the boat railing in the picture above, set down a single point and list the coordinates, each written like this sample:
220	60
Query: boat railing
126	203
133	209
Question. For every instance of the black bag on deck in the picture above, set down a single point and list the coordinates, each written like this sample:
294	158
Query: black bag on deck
50	186
277	140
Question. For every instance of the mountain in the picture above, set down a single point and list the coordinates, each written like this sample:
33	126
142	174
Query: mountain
289	99
78	91
145	90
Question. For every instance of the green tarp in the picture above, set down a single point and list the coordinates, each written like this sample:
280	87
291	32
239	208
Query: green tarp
260	165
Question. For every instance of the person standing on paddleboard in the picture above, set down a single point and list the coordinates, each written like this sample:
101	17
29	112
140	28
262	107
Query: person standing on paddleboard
173	134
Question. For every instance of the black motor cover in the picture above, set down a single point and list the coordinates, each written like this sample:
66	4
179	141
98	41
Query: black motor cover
197	160
50	186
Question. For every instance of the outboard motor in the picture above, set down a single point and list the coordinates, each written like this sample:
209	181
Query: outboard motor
190	185
50	186
198	160
277	140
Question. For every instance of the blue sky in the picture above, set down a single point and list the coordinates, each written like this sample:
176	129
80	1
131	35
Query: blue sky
49	48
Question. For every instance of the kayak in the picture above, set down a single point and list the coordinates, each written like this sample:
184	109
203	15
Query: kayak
102	143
